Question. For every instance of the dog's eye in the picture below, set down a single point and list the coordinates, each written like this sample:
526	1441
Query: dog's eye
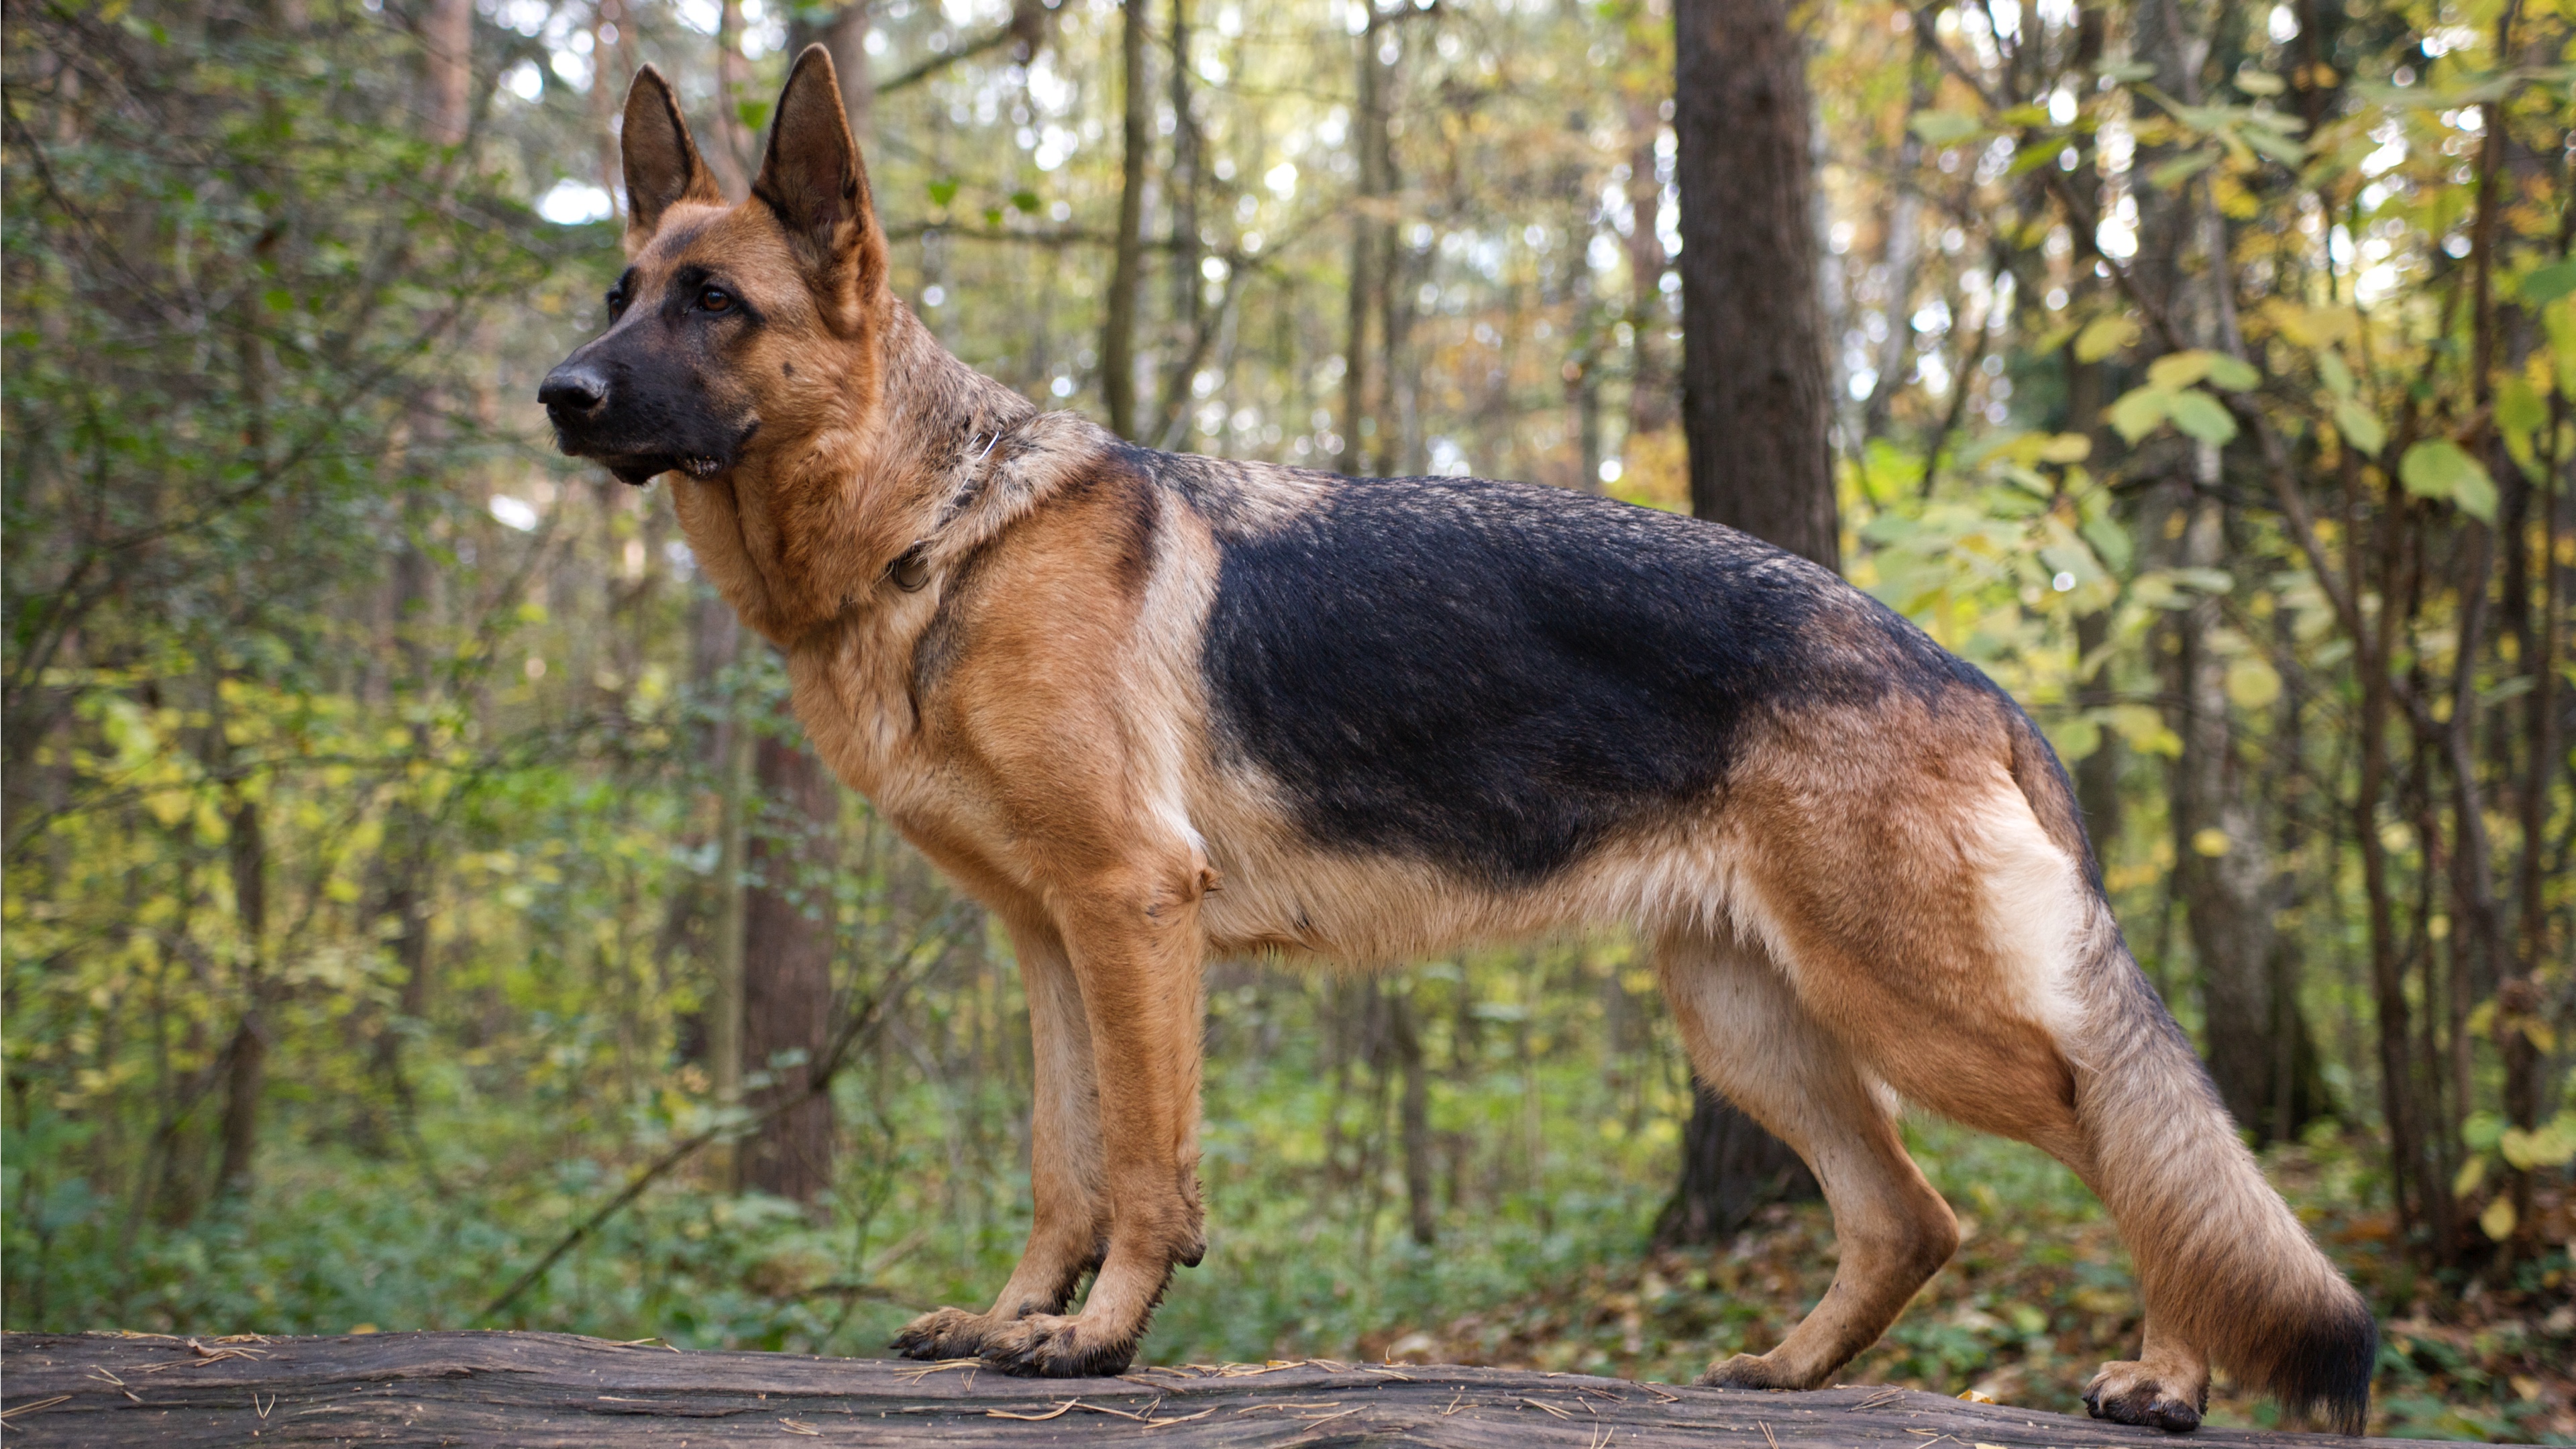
616	300
715	299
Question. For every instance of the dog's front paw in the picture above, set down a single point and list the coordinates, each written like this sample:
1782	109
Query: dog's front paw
1745	1371
944	1333
1054	1346
2135	1393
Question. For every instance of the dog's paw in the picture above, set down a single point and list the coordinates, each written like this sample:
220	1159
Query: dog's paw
944	1333
2135	1393
1745	1371
1053	1346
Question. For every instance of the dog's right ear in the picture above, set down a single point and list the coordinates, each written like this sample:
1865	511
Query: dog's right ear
663	167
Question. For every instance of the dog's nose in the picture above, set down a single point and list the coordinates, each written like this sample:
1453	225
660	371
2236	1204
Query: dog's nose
573	388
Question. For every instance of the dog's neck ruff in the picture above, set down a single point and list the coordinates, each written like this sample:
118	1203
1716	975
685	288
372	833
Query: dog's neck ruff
1000	474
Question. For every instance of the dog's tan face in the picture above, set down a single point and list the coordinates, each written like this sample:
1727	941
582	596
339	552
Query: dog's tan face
734	327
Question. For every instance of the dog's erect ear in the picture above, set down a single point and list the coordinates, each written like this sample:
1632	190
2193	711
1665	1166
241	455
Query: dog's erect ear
663	167
813	179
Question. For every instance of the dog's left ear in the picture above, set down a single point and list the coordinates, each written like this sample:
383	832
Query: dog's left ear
813	180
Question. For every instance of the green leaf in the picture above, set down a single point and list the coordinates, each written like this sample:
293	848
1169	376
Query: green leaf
2109	540
2178	370
2123	72
2550	283
1026	201
2287	150
2260	83
2338	378
2203	417
2440	468
2103	336
2138	412
1889	528
2360	427
2181	169
2518	407
1945	128
2234	374
943	191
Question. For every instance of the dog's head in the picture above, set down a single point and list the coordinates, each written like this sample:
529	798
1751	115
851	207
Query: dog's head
732	324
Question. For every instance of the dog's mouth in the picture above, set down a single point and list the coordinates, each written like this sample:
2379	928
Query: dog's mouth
637	468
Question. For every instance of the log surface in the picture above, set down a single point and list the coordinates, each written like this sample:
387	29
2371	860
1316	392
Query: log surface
526	1390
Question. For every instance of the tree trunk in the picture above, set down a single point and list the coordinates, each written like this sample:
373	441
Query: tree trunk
447	56
1364	411
1118	332
732	157
788	935
1755	400
1756	411
247	1058
1650	386
2222	860
1730	1167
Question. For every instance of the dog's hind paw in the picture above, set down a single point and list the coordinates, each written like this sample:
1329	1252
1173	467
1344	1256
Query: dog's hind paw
2135	1393
944	1333
1053	1346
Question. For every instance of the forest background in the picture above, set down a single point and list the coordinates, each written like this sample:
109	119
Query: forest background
420	913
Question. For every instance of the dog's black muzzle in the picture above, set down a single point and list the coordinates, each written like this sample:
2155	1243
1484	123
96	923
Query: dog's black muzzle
604	411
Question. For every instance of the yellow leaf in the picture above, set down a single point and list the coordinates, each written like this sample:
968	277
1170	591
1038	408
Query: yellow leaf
2065	448
2472	1172
1972	1396
2211	842
2498	1219
2103	336
2313	327
2177	370
2252	683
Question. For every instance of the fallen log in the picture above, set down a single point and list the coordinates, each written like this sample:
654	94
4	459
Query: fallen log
526	1390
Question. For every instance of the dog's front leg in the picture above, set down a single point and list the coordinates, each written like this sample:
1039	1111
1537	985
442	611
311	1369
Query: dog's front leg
1069	1231
1136	955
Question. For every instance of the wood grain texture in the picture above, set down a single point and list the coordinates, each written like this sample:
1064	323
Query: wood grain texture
526	1390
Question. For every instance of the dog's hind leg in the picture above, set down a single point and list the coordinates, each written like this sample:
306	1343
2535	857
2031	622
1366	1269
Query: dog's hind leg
1070	1228
1749	1038
1942	928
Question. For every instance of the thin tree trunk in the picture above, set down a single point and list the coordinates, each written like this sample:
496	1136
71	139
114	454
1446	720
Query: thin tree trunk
1363	401
246	1078
726	956
1755	401
1904	248
788	936
1413	1110
732	156
447	57
1126	280
1650	386
2222	859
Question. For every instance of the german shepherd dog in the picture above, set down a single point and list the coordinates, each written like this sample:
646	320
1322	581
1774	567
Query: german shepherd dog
1151	708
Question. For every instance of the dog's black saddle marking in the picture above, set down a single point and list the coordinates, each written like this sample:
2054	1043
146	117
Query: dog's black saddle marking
1494	677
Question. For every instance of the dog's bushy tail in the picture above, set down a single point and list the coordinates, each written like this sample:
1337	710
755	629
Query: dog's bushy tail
2220	1257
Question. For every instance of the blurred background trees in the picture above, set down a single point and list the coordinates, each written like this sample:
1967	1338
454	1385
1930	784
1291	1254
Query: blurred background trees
407	857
